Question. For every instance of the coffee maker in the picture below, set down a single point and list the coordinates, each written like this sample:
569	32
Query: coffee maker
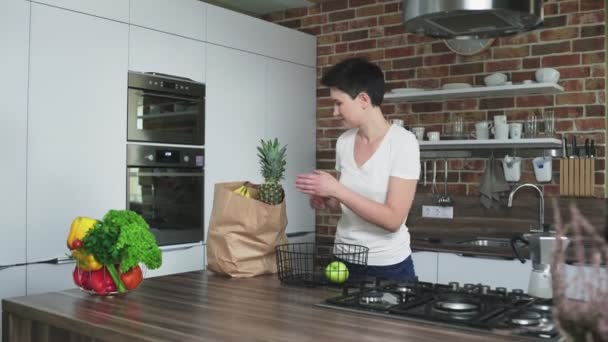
541	246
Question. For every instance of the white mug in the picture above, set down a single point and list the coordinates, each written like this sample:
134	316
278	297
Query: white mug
482	130
397	122
500	119
419	133
501	131
515	130
433	136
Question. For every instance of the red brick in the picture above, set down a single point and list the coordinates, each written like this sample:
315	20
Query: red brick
553	61
359	3
568	112
296	12
550	8
392	41
390	19
363	23
520	39
559	33
564	126
439	47
424	83
494	103
518	77
508	64
548	49
335	27
458	79
595	110
482	56
354	35
362	45
462	104
392	30
586	18
341	48
426	107
568	6
462	69
315	31
439	59
575	98
403	63
555	21
531	63
535	101
370	10
594	84
400	74
572	85
424	49
334	5
591	31
328	39
588	44
440	71
598	71
375	32
574	72
415	39
594	57
404	51
590	124
325	50
511	52
342	15
588	5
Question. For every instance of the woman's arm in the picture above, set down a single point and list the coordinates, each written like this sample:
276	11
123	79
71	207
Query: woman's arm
389	215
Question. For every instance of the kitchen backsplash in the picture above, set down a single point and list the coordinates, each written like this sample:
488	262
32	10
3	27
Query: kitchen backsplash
572	41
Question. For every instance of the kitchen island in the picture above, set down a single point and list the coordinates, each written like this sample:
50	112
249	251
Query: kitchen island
200	306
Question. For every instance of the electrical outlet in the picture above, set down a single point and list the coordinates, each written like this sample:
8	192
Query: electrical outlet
435	211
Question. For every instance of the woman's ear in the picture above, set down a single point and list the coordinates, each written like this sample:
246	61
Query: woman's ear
364	100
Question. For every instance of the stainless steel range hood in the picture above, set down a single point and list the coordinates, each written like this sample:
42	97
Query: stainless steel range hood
471	18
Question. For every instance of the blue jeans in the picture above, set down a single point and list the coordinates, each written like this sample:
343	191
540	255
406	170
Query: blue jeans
403	270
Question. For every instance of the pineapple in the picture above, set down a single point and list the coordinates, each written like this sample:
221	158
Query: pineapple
272	162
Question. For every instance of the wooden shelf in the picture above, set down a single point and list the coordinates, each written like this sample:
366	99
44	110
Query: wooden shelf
493	91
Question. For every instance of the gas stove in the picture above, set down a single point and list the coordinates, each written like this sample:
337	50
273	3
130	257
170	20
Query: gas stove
470	306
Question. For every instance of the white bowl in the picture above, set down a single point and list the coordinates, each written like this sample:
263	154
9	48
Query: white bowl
495	79
547	75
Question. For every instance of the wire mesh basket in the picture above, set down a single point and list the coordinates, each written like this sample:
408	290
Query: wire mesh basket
313	264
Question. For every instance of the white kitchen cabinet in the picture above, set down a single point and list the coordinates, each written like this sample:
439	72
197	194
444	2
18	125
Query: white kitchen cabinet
48	277
181	17
179	259
12	282
239	31
111	9
14	35
425	265
76	147
511	274
153	51
235	118
291	105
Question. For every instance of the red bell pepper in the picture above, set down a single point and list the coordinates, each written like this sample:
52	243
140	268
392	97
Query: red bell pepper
132	278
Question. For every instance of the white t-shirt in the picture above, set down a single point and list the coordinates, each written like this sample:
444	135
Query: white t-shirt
399	156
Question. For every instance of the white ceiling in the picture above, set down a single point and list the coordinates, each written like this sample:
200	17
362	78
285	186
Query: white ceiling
259	7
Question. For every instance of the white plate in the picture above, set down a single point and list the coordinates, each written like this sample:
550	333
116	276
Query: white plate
449	86
406	90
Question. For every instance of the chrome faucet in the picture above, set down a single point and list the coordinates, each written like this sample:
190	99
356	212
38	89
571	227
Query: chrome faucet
541	203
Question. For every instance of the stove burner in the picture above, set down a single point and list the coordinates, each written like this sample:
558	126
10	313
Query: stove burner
371	297
544	308
456	306
526	318
404	289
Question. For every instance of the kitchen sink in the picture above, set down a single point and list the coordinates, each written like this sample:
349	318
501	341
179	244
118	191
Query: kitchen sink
490	242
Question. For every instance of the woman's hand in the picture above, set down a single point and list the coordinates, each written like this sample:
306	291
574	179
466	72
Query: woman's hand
318	183
318	202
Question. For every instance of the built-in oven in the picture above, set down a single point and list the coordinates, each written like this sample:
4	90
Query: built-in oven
165	109
165	185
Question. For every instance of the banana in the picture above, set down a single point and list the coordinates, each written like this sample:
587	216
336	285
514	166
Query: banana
243	191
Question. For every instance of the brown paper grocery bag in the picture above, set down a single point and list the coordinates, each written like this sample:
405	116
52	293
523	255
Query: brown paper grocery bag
243	233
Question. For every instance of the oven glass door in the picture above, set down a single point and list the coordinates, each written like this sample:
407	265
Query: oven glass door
170	200
164	118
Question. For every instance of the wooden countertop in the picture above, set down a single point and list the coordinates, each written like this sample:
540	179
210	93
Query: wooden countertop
200	306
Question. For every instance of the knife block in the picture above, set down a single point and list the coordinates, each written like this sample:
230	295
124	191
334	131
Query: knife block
577	177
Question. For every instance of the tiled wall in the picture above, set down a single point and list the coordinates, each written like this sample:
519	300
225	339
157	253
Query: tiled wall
572	40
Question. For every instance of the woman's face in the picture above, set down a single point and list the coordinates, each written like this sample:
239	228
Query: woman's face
346	108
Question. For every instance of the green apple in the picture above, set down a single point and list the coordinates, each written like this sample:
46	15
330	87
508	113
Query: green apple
336	272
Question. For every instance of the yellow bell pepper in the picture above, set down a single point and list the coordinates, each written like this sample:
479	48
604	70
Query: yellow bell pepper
78	230
86	261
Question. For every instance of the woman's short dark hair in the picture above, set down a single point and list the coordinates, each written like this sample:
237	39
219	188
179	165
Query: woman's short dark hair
356	75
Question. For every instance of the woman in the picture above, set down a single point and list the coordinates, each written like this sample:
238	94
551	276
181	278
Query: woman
378	168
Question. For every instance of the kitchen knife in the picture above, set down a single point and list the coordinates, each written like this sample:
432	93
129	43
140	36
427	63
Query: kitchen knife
565	147
592	149
587	148
574	152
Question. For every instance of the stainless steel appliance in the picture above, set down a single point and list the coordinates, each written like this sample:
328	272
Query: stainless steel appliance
165	109
474	307
465	18
165	185
542	243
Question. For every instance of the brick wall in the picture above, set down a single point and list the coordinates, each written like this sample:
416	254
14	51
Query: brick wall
572	40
